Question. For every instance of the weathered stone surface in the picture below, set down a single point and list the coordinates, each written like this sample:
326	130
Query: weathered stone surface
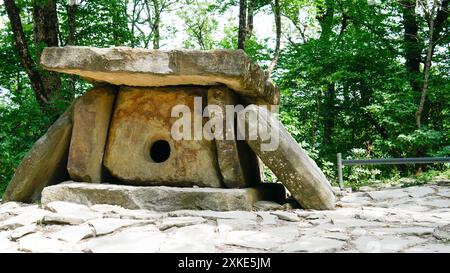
45	164
22	231
104	226
267	218
429	248
159	198
198	238
385	244
267	205
27	218
91	118
386	195
138	240
142	117
73	234
289	162
268	239
143	67
354	229
213	215
286	216
314	244
61	219
38	243
442	233
179	222
238	164
112	211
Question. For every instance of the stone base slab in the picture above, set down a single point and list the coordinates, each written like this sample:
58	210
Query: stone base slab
156	198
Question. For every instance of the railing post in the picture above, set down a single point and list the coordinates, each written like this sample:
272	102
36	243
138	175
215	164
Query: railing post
339	166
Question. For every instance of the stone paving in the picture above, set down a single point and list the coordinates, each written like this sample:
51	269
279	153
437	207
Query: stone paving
415	219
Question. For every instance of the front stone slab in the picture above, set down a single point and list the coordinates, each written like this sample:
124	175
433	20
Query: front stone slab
92	114
143	67
159	198
141	149
45	163
289	162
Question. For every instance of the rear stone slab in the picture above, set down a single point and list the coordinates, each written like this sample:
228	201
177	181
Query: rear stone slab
159	198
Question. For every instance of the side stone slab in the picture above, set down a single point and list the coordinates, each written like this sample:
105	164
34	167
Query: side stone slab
91	118
157	198
143	67
238	163
288	161
45	163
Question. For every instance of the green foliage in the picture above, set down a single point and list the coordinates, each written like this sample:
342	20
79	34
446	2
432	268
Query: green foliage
22	124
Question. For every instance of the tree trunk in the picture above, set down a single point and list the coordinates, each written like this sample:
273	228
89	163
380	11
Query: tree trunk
71	37
45	32
22	46
329	113
325	16
276	12
427	67
242	23
250	13
156	24
413	48
71	21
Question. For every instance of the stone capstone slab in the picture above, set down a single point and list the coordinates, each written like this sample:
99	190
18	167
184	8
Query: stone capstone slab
141	149
143	67
158	198
288	161
91	118
45	163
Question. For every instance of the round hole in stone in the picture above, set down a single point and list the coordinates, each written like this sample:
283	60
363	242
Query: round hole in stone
160	151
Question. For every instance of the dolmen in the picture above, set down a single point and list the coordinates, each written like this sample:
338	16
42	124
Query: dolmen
167	130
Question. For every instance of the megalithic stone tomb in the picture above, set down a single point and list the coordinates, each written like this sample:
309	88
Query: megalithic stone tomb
156	125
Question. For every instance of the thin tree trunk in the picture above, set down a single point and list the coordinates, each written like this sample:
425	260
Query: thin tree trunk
72	8
72	27
273	64
242	23
427	67
156	24
45	32
329	113
250	13
413	48
22	46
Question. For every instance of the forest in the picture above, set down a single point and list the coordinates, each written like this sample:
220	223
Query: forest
365	78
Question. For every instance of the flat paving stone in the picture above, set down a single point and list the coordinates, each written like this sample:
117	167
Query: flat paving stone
215	215
378	196
73	234
104	226
142	240
197	238
430	248
286	216
314	244
179	222
267	239
385	244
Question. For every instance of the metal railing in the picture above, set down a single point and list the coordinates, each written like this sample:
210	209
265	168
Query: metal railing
384	161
